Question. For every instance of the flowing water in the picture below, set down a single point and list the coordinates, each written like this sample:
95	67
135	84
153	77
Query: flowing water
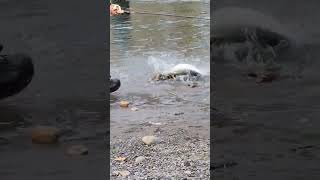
144	44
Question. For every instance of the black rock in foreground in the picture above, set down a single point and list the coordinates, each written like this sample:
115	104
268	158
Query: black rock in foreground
16	72
114	85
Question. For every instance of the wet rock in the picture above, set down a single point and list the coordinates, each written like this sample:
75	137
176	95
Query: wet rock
264	77
267	78
124	104
44	135
307	147
148	140
193	85
134	109
77	150
121	173
140	159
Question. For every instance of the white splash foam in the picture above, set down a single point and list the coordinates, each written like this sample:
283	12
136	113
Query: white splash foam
184	67
167	64
159	64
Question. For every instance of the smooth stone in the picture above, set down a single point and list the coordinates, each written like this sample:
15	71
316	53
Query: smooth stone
124	103
121	173
44	135
120	159
149	140
140	159
77	150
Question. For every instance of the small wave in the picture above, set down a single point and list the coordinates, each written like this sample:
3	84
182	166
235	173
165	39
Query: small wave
121	28
160	65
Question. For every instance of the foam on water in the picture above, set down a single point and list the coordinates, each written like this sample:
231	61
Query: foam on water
164	65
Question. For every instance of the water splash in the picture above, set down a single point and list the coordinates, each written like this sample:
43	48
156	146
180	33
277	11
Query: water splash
164	62
162	65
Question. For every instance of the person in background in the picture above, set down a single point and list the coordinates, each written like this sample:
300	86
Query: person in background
115	83
115	9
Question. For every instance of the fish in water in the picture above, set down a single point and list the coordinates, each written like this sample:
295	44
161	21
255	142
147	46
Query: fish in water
185	70
240	25
252	41
17	71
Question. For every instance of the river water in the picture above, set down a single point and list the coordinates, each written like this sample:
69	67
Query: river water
144	44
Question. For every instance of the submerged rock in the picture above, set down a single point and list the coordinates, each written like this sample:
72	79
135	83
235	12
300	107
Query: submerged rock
77	150
124	104
44	135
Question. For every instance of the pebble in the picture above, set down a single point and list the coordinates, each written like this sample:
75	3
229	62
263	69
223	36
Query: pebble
193	85
134	109
187	172
124	104
44	135
77	150
266	78
121	173
140	159
120	159
149	140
